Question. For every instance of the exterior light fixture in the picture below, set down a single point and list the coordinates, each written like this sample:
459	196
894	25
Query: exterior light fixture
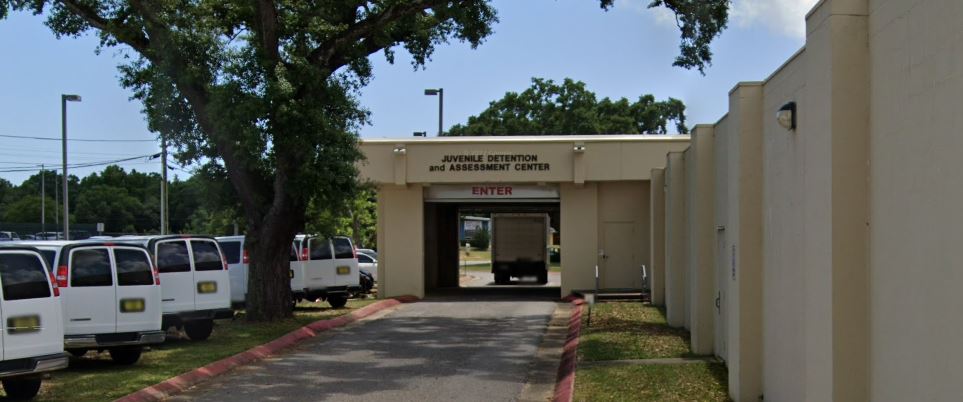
786	116
400	150
578	148
64	98
420	133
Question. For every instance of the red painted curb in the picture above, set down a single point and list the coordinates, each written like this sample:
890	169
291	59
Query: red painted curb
565	381
191	378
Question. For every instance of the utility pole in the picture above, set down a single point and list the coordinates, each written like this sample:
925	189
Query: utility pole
56	202
43	201
163	200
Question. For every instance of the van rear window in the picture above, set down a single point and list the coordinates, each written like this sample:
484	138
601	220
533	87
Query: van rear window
342	248
206	256
90	267
320	249
133	268
232	251
23	277
172	257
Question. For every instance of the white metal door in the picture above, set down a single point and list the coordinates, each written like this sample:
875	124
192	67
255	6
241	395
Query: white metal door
30	314
212	281
618	256
177	279
90	298
297	267
345	263
138	301
319	270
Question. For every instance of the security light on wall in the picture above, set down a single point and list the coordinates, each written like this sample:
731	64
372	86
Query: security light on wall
578	148
786	116
400	150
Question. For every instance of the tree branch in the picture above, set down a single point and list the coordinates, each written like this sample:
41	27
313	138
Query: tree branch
336	47
112	26
266	29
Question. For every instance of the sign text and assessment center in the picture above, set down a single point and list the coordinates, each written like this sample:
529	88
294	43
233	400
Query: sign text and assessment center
490	163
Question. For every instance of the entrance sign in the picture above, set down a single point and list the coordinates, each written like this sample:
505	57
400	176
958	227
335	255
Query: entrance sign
490	162
487	192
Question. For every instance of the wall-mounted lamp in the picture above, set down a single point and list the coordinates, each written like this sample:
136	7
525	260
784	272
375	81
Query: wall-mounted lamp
400	150
786	116
420	133
578	148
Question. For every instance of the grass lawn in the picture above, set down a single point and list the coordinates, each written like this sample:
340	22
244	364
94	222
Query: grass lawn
623	331
627	331
475	255
96	378
683	382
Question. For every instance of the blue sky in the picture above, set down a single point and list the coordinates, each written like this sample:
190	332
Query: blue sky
625	52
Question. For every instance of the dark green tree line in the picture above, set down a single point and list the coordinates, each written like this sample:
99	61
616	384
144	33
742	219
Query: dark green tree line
570	108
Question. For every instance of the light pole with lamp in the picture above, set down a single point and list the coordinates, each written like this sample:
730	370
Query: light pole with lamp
63	120
441	106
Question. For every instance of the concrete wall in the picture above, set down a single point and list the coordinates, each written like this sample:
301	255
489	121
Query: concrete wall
580	239
784	275
916	58
676	266
401	241
657	237
700	204
721	217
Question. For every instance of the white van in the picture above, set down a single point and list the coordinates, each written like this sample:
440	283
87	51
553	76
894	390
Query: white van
195	285
110	295
32	339
237	266
324	269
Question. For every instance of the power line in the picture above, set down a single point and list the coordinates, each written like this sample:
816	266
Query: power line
83	164
72	139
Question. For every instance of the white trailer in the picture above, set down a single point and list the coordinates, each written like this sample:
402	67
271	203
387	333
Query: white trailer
520	246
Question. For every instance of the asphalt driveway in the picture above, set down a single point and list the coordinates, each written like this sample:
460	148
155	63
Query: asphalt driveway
441	350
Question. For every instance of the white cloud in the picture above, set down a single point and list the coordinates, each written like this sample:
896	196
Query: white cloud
787	17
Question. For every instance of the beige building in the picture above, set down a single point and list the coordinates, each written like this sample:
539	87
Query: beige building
817	255
598	185
831	246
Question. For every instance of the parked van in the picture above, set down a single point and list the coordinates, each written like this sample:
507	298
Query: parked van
111	297
324	269
33	340
237	266
195	285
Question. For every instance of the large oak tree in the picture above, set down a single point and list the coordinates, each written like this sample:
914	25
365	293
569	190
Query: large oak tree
265	89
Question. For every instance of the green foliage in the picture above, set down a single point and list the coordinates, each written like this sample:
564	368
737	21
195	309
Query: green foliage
570	108
481	240
699	22
358	219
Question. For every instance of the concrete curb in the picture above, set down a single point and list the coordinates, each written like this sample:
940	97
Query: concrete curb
181	383
565	383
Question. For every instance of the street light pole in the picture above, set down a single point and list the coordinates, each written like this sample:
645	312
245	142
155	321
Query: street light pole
440	92
43	201
63	125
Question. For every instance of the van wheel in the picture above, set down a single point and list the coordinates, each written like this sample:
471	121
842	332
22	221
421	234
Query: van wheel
501	278
126	355
21	388
543	277
337	301
199	330
77	352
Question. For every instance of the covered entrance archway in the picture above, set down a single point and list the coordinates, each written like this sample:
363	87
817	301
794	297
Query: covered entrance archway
598	186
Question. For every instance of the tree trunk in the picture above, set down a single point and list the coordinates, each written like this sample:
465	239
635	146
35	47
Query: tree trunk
269	281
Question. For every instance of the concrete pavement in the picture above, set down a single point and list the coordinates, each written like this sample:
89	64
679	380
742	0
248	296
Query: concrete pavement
438	350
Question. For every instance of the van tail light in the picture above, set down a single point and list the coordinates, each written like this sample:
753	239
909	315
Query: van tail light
53	283
245	258
354	251
61	277
224	262
156	275
304	254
